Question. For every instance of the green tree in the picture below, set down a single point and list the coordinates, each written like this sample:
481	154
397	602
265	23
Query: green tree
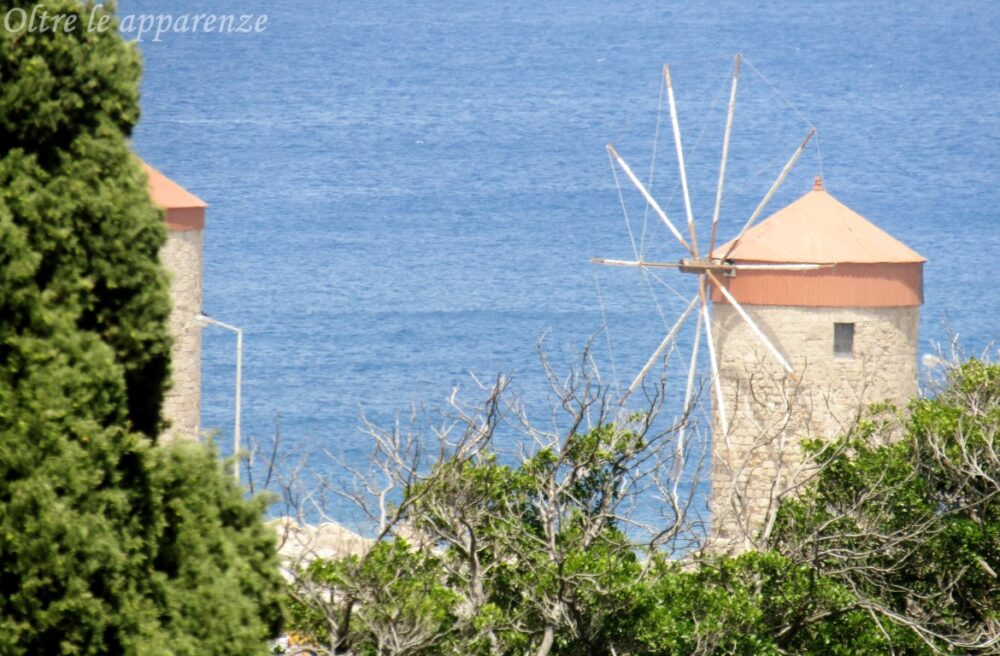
893	548
77	198
108	544
526	553
912	526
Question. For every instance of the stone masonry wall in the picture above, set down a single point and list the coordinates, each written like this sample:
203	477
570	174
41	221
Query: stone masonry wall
182	256
770	411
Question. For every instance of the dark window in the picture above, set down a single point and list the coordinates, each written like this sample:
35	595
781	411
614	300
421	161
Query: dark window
843	339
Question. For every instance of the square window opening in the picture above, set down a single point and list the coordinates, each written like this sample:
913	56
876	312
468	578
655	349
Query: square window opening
843	339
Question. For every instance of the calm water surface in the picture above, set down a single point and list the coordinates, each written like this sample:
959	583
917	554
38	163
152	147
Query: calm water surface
404	192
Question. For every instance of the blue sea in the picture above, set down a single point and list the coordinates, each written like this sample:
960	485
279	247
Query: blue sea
401	193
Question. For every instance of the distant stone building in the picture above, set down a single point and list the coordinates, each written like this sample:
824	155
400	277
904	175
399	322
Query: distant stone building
183	256
848	329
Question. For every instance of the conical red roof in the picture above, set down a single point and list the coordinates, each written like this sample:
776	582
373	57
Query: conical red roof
168	194
818	229
182	209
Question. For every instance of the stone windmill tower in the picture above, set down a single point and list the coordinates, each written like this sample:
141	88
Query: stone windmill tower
183	257
849	330
808	317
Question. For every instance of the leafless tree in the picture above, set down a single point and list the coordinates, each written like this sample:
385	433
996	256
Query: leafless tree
594	469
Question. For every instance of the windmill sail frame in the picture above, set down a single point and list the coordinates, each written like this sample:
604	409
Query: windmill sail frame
705	267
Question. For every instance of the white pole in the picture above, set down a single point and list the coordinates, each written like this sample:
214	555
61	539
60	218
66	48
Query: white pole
688	392
716	378
239	395
204	318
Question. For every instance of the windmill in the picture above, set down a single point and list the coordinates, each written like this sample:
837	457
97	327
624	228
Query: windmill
835	293
709	264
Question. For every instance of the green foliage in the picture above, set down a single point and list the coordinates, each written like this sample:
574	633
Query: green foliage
761	603
214	564
401	598
508	550
108	545
913	527
74	199
892	549
589	570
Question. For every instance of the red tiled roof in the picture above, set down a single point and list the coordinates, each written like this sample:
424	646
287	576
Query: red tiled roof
168	194
818	228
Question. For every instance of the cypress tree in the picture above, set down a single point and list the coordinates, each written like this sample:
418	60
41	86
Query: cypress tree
68	102
108	543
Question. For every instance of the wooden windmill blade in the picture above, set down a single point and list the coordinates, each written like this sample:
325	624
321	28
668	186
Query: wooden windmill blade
649	198
730	114
675	123
770	192
671	335
712	358
708	265
753	324
637	263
